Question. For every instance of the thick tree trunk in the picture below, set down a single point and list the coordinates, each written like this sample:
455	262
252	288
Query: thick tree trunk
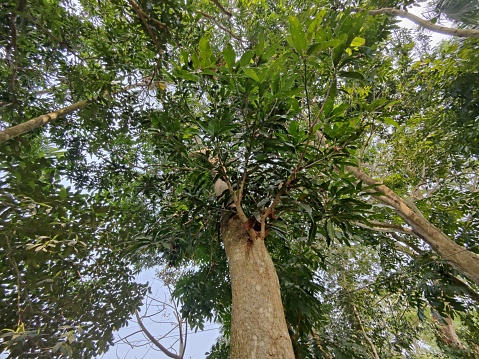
459	257
258	325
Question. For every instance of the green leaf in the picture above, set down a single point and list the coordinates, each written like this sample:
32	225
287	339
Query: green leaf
390	121
351	74
312	232
298	36
258	49
313	27
307	208
357	41
246	58
321	46
293	127
330	230
251	74
63	193
229	55
188	76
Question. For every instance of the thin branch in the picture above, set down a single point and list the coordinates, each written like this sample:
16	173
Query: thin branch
234	197
408	243
225	29
19	282
4	104
50	34
317	339
243	181
467	289
186	338
126	337
363	148
153	339
384	227
366	336
472	33
141	14
221	7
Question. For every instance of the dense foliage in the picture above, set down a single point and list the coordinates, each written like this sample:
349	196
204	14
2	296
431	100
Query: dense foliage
276	99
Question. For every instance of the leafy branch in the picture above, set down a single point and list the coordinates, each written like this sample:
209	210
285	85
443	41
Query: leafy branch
472	33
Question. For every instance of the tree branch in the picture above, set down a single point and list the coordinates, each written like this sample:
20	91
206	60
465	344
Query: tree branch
366	336
153	339
458	256
36	122
215	20
141	14
384	227
472	33
221	7
24	127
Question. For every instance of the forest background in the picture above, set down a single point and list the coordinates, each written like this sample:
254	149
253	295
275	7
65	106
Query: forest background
303	173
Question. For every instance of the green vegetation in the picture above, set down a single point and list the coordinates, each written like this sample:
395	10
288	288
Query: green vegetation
349	146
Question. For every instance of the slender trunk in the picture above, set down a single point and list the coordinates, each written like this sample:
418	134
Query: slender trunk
447	331
42	120
36	122
459	257
366	336
472	33
258	324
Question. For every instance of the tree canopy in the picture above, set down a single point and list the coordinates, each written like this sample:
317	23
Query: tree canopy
137	134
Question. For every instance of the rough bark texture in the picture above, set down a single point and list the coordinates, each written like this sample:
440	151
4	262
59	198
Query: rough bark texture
258	325
459	257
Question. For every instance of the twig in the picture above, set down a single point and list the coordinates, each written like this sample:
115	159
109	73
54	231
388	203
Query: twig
221	7
212	18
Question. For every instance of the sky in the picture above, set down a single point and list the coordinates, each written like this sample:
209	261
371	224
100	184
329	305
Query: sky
197	343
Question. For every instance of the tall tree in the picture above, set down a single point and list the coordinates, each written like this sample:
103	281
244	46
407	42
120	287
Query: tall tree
243	142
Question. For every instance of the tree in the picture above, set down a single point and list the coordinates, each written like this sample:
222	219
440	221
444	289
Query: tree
287	110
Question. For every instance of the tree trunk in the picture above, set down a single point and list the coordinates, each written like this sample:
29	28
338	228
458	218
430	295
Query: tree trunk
459	257
36	122
472	33
258	325
447	332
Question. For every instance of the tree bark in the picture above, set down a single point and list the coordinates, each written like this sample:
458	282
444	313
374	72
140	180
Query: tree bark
459	257
36	122
472	33
24	127
258	324
447	331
